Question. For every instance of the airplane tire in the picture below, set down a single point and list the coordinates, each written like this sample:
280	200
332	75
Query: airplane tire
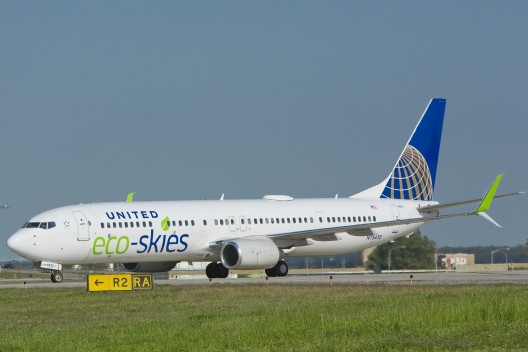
222	271
270	272
57	276
211	271
281	268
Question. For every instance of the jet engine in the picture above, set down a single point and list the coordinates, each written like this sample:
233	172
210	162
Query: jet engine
149	267
251	253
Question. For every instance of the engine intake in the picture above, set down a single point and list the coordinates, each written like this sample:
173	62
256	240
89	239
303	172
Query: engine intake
249	254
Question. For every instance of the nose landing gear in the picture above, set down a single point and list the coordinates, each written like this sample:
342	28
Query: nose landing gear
54	268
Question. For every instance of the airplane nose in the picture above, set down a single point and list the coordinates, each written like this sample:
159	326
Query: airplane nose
18	243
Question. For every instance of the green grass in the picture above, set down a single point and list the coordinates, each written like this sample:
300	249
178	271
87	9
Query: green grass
267	318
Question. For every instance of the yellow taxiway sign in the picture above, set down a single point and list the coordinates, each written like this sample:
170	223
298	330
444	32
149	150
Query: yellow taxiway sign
119	282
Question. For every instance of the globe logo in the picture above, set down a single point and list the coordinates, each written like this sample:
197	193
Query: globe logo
411	178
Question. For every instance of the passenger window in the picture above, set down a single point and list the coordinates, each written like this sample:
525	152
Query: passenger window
180	223
272	220
192	222
328	219
174	223
150	223
364	219
107	225
261	221
114	225
144	224
374	218
249	221
288	219
221	221
102	225
349	219
369	219
333	218
205	222
131	224
321	220
120	225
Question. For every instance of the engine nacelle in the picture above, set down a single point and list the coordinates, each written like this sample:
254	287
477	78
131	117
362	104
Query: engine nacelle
249	254
150	267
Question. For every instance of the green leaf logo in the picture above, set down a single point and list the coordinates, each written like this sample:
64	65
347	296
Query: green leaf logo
165	223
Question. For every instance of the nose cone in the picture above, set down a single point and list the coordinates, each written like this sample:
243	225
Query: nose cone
19	243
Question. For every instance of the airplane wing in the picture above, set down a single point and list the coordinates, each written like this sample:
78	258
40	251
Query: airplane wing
431	208
329	233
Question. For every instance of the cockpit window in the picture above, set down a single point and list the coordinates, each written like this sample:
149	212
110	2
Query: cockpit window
39	225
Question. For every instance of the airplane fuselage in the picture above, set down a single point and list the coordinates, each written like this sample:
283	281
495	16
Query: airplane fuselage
184	230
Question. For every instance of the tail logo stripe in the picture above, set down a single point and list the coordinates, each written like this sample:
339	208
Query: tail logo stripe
411	178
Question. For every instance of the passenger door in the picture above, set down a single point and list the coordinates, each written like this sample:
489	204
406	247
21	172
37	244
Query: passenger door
396	216
83	229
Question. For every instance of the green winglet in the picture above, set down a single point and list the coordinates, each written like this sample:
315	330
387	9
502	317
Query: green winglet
488	198
130	197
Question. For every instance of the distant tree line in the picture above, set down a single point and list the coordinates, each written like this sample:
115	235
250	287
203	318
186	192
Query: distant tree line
408	252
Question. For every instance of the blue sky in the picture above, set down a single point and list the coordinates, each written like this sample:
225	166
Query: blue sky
189	100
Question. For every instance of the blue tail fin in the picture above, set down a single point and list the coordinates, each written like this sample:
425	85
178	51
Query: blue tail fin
414	175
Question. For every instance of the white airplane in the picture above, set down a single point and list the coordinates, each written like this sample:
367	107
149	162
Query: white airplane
247	234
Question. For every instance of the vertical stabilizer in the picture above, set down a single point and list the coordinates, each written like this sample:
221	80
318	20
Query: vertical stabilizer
414	175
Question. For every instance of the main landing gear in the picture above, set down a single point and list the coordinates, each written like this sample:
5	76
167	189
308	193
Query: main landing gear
219	271
280	269
216	271
56	276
